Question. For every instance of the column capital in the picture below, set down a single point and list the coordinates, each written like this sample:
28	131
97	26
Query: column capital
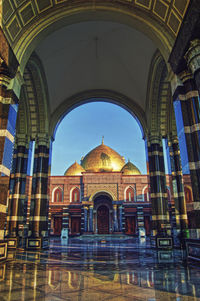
185	75
16	83
175	81
22	140
172	138
192	56
7	97
155	138
43	139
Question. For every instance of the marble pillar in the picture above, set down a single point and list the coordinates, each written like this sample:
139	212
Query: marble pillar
160	214
187	113
85	219
17	207
8	115
177	184
38	227
120	218
91	219
116	227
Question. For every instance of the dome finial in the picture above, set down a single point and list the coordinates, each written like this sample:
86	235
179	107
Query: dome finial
102	140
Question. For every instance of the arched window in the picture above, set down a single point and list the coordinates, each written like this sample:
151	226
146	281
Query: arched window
75	195
146	195
57	195
188	194
130	195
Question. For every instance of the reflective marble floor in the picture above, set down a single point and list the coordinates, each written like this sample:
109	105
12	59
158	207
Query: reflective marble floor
96	271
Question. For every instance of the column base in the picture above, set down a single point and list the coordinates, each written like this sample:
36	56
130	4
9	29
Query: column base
165	256
12	242
161	242
193	249
194	233
164	242
37	243
3	250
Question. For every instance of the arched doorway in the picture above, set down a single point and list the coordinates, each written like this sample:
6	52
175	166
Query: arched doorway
103	213
103	219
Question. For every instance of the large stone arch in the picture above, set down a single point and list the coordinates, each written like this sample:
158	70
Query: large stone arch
33	114
25	24
23	121
98	95
159	106
158	102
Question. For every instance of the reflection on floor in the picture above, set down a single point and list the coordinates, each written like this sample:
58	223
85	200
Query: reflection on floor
76	270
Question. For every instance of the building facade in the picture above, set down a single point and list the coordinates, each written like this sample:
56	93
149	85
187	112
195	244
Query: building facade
105	195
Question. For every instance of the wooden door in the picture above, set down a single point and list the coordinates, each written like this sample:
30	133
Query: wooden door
103	220
75	225
130	224
57	225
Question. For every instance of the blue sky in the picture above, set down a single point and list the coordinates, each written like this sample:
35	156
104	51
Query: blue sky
82	129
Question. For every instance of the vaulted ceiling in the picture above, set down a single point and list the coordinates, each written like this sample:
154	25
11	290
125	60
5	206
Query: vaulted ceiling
93	45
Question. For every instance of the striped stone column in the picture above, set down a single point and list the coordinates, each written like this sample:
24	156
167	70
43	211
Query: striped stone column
8	115
177	184
65	220
48	186
85	219
160	214
120	218
193	61
17	208
187	113
91	219
82	219
38	225
123	219
116	226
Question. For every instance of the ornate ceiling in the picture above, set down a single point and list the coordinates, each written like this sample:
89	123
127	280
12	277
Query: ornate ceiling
18	14
93	45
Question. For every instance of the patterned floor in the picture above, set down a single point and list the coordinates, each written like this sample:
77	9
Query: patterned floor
99	271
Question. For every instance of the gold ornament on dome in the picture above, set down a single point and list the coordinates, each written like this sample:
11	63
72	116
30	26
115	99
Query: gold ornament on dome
74	170
102	159
130	169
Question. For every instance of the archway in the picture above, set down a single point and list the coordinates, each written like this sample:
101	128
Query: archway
103	213
119	76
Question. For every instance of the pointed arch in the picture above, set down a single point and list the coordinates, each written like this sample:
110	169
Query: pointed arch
145	194
57	195
75	195
130	194
188	194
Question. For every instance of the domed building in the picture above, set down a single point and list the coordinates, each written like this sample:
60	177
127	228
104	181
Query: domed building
101	195
102	159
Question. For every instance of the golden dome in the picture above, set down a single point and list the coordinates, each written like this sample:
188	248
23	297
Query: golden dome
74	170
130	169
101	159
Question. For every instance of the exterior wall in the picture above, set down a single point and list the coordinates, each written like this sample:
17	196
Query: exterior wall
114	184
